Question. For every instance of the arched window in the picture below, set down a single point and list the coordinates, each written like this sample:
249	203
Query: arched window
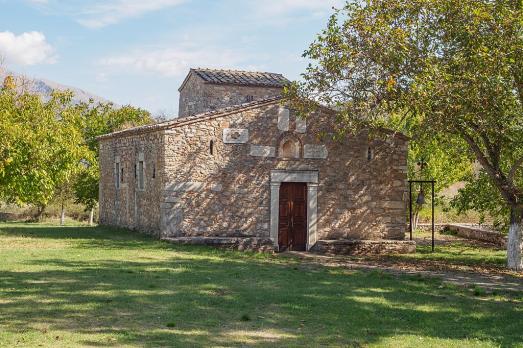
290	149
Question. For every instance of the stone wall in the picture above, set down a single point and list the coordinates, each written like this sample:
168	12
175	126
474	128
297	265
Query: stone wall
213	177
364	247
227	192
198	97
235	243
129	206
478	233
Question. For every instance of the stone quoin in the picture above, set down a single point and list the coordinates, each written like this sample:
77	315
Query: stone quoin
238	163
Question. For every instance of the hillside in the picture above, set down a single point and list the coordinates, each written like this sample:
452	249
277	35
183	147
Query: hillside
45	87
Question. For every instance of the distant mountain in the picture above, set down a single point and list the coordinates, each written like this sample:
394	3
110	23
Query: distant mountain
45	87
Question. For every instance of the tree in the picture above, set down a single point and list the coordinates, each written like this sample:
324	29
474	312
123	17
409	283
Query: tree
452	67
444	158
40	146
479	194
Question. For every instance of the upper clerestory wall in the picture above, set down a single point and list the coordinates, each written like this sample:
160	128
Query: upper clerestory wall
198	96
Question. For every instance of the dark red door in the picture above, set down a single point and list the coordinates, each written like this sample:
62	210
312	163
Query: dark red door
292	231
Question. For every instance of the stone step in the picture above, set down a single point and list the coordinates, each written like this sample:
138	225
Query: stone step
239	243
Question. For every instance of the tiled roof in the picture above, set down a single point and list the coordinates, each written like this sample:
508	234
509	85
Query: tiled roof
239	77
209	115
192	119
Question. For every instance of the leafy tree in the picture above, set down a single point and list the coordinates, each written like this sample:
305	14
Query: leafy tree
86	189
444	160
481	195
452	67
40	146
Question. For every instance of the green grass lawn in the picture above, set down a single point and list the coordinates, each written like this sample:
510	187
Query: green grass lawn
455	253
93	286
459	253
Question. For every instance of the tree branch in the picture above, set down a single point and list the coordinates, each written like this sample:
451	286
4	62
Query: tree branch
514	169
506	189
493	150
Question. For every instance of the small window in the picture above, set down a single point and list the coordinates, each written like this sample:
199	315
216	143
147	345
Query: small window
117	172
154	171
211	147
141	181
135	171
250	98
370	153
121	174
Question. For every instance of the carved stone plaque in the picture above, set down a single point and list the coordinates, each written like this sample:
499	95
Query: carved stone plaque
283	119
263	151
301	125
315	151
235	135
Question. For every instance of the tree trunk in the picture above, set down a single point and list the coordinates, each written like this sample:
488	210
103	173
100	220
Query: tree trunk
62	215
40	212
515	238
415	218
91	217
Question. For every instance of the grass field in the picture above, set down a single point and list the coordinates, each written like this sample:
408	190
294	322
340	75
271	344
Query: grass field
93	286
455	251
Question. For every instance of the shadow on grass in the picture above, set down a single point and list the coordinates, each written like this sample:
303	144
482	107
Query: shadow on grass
154	294
458	253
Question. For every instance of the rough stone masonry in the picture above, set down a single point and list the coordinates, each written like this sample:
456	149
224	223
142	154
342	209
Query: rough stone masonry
217	170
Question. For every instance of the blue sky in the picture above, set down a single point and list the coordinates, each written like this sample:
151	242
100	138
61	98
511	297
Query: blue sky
138	51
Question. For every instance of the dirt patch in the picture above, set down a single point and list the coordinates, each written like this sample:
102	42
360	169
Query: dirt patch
488	276
462	276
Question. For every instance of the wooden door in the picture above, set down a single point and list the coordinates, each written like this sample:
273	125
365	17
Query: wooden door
292	229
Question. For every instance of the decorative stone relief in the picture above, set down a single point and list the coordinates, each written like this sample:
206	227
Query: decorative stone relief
263	151
283	119
314	151
301	125
185	186
235	135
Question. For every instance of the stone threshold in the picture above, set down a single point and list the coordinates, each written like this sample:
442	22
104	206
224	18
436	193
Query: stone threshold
364	247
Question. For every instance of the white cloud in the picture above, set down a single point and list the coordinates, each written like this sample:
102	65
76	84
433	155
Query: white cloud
175	61
283	7
28	48
38	2
104	13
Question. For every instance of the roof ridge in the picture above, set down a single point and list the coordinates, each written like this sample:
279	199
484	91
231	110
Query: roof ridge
237	77
237	70
191	119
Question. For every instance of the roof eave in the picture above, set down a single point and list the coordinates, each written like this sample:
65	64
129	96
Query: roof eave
190	119
191	72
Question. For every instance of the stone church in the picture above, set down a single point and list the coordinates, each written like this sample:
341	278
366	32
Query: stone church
239	167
